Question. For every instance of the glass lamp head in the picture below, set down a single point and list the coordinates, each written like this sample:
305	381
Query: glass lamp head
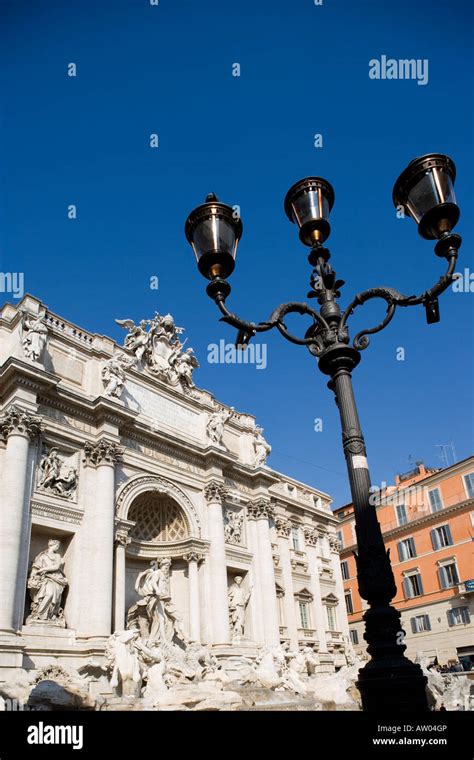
213	230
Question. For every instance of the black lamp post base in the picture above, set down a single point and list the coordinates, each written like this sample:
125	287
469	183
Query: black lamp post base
393	687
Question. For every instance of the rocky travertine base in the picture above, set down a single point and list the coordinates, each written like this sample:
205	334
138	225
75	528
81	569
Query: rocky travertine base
58	688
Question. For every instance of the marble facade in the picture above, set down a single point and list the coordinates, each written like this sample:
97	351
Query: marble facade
111	458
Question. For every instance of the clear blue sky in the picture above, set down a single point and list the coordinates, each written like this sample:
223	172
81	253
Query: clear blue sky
143	69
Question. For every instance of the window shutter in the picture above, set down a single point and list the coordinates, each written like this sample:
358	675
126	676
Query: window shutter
450	618
420	583
412	547
434	539
448	535
414	628
427	623
466	615
400	551
443	580
407	588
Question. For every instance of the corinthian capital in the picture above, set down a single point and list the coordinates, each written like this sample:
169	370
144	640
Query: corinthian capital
122	539
283	527
193	556
310	535
334	544
260	509
18	421
104	452
215	492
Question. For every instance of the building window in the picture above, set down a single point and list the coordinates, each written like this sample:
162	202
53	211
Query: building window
448	575
406	549
345	570
435	500
339	538
304	616
331	618
401	514
295	538
459	616
469	484
412	585
420	624
349	606
354	636
441	536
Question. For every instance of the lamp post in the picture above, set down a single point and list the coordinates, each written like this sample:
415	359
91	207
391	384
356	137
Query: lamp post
425	192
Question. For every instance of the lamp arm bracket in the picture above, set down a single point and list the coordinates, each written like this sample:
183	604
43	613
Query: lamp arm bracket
393	299
248	329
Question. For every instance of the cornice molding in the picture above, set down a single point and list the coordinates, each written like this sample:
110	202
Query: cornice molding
420	521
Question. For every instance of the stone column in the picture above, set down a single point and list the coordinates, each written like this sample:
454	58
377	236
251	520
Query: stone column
261	511
193	559
341	613
215	493
18	426
311	540
100	516
255	603
121	542
283	527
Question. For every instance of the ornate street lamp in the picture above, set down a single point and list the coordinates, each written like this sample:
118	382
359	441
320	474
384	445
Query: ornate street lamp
425	191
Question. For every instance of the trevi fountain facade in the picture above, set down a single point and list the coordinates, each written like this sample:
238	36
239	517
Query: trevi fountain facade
149	556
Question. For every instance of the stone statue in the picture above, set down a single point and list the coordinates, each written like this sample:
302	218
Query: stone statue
238	600
123	661
56	476
46	585
216	422
233	527
137	338
184	364
154	614
312	659
261	447
34	334
159	350
113	375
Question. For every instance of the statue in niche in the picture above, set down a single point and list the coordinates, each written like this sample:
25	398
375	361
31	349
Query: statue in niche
238	600
34	334
113	375
233	527
46	585
56	476
155	615
216	423
261	447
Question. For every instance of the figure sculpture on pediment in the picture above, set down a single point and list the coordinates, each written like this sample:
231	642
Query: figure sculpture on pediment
159	350
137	338
34	334
216	423
261	447
113	375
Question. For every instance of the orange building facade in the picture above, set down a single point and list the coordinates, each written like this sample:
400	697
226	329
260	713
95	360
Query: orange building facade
427	521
